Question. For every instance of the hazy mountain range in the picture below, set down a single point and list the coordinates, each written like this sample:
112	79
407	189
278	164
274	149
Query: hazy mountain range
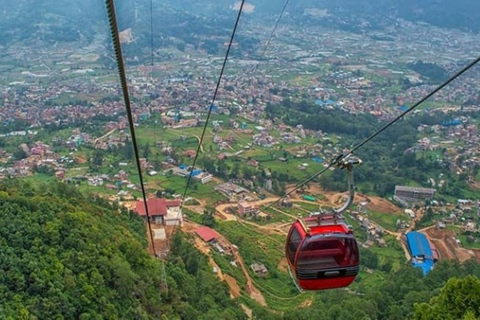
69	20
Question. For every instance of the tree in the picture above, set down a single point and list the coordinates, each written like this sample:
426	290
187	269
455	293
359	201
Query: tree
128	150
20	154
146	151
458	299
97	159
208	218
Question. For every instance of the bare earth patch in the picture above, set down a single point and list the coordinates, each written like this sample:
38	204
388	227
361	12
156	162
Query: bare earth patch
233	285
444	241
283	265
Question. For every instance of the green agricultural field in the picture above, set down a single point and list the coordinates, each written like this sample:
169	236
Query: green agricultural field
192	215
39	179
274	216
359	232
302	207
386	220
178	184
391	254
290	167
75	172
368	280
85	188
469	245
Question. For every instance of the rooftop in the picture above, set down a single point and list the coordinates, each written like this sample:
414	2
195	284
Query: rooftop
419	246
206	234
156	206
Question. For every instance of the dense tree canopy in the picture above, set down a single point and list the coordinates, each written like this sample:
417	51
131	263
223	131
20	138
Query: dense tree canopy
65	255
459	299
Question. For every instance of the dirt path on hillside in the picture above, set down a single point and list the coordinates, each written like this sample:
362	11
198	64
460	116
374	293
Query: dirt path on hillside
198	139
268	228
221	210
477	253
105	135
283	265
252	291
235	290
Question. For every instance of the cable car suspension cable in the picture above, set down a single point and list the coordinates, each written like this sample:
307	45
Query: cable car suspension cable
152	67
341	157
151	34
126	97
214	97
272	34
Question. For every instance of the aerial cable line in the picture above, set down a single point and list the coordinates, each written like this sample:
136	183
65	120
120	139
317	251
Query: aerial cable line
162	254
126	97
152	66
214	98
151	33
272	34
340	157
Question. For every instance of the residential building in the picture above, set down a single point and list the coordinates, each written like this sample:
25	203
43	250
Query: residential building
414	193
246	208
161	211
203	177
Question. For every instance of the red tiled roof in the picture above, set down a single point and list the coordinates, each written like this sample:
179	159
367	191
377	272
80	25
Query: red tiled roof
156	206
206	233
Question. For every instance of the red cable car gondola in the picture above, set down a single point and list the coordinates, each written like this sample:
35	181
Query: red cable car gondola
321	251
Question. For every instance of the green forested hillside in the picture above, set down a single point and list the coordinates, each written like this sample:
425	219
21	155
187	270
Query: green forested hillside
64	255
67	256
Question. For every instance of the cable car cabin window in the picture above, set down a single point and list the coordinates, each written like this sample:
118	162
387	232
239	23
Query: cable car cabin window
293	244
319	252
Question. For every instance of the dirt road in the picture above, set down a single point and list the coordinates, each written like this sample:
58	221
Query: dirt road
251	289
105	135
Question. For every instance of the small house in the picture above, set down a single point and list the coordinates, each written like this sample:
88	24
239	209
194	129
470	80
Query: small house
259	269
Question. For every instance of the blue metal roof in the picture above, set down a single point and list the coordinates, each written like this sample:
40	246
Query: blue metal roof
426	266
212	107
196	172
451	123
324	103
419	246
